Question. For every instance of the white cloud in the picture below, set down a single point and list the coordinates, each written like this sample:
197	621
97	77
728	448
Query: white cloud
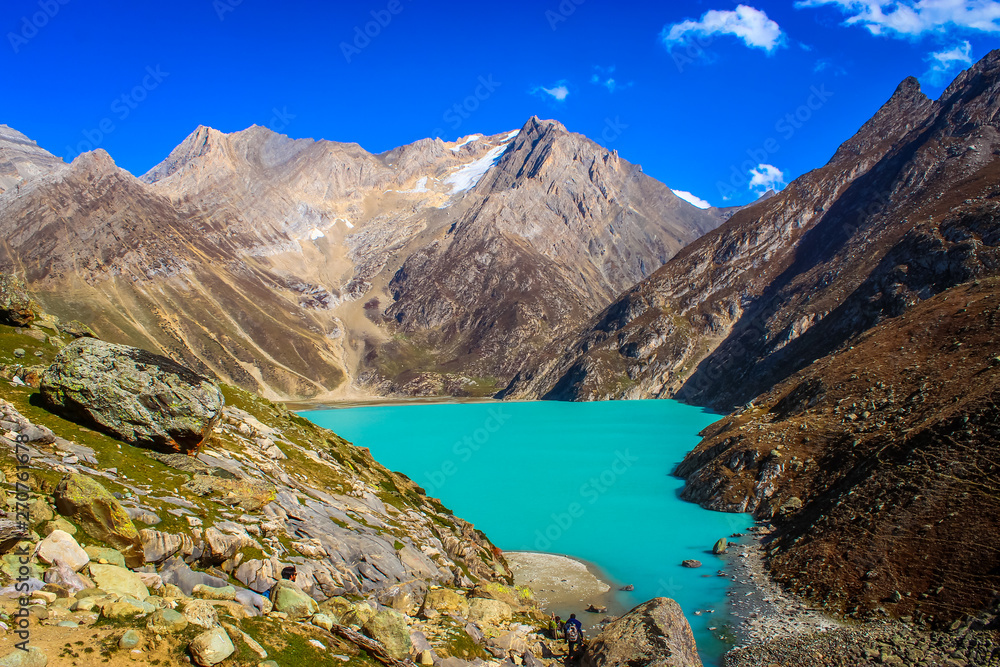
691	199
912	18
558	91
943	63
747	23
603	76
766	177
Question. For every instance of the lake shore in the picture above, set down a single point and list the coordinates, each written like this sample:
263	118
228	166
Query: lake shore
377	401
761	611
564	585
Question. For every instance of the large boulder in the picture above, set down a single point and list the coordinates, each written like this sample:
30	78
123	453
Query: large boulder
158	546
139	397
211	647
390	628
166	622
444	601
114	579
33	657
654	634
101	516
489	612
16	307
60	546
289	598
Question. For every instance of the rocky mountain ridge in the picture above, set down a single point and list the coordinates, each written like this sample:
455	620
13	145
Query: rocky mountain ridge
850	318
304	268
790	279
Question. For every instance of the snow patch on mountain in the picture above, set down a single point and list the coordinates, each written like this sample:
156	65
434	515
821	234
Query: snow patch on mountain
466	177
468	140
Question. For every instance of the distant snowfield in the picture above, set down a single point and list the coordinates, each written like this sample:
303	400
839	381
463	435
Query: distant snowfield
466	177
468	140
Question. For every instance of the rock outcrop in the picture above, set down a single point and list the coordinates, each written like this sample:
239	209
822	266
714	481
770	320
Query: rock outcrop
142	398
16	307
654	634
84	500
22	160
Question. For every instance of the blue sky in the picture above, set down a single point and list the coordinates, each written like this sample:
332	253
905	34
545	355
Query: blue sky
699	93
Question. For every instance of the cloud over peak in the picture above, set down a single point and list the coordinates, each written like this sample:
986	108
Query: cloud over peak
766	177
748	24
558	91
944	63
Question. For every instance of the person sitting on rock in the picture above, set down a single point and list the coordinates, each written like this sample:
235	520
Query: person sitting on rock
289	573
574	634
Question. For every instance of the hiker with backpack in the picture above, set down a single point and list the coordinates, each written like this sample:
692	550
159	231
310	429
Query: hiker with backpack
573	634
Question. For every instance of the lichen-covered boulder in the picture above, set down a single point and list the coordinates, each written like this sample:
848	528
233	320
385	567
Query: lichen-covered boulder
444	601
489	612
76	329
655	634
289	598
139	397
16	308
101	516
211	647
120	580
390	628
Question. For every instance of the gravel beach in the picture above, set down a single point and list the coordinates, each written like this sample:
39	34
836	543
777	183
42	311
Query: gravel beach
761	610
773	629
564	585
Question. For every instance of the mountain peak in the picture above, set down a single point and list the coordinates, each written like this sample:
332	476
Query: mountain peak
96	161
21	159
540	125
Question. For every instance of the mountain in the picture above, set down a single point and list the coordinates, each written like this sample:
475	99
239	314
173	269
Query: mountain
21	159
852	319
301	268
878	464
882	226
557	228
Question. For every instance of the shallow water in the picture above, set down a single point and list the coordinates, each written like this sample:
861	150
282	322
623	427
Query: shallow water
589	480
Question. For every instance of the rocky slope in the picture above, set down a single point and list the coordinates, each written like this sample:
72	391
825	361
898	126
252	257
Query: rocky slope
303	268
113	551
21	159
878	464
901	212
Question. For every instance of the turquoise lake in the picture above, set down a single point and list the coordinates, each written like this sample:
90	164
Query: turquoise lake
587	480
